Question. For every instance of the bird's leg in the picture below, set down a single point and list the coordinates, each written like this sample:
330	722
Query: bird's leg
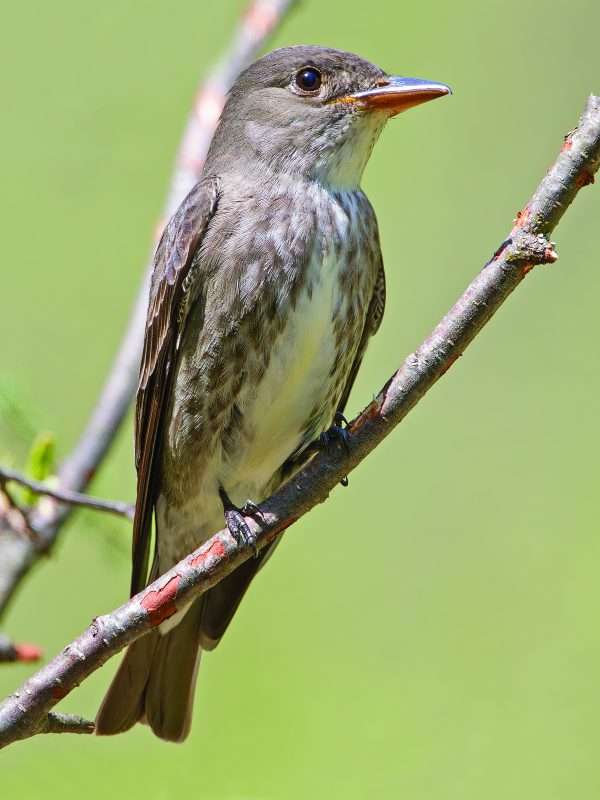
234	519
337	433
340	429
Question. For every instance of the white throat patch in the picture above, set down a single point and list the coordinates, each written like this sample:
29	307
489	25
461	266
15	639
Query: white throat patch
342	169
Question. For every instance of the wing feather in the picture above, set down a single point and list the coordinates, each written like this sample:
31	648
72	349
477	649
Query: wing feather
174	262
372	323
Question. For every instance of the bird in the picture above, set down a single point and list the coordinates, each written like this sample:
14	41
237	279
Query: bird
267	285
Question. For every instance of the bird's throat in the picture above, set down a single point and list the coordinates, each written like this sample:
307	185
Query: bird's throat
342	164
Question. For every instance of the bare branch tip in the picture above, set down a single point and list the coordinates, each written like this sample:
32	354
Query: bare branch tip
28	652
23	651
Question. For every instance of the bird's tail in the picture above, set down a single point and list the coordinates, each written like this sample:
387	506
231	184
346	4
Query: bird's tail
155	682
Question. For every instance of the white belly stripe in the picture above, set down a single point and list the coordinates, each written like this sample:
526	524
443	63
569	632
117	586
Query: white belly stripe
296	377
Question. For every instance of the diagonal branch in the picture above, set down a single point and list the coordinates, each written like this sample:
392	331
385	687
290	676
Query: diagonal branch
19	553
22	714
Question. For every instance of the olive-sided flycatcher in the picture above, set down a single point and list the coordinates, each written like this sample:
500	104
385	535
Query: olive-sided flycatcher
268	283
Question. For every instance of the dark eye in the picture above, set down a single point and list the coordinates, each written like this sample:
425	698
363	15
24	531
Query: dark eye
308	79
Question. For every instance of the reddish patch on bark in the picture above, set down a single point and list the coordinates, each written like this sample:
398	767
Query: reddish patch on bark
216	550
160	605
550	255
28	652
58	692
260	18
522	217
567	145
527	268
370	412
584	178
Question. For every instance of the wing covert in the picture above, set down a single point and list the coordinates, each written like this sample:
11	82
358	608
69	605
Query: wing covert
372	323
174	272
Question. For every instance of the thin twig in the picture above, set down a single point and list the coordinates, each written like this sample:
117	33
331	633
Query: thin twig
12	514
117	507
65	723
17	553
525	247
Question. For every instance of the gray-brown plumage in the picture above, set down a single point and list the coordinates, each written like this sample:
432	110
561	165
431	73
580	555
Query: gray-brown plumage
268	283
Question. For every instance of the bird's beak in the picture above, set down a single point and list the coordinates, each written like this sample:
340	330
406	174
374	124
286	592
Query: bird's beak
395	94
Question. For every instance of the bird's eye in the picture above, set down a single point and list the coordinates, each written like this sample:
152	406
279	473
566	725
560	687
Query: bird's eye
308	79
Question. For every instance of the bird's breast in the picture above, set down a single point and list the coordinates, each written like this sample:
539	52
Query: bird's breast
309	360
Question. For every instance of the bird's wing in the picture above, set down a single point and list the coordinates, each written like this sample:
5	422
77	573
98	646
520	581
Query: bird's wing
174	266
372	323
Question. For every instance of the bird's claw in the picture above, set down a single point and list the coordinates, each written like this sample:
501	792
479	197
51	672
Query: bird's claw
236	524
337	433
238	528
250	509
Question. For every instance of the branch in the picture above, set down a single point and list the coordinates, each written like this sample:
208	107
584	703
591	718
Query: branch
18	553
65	723
12	515
117	507
526	246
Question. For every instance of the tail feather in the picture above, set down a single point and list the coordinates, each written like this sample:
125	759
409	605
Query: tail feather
157	677
155	682
123	704
172	681
222	601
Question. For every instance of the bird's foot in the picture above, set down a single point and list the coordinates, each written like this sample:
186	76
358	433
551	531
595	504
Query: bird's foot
250	509
239	529
337	434
236	524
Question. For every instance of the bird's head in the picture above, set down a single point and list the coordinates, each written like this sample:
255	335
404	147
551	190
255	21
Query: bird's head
312	111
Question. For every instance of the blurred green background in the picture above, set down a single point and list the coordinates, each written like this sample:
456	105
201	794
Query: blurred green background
459	658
